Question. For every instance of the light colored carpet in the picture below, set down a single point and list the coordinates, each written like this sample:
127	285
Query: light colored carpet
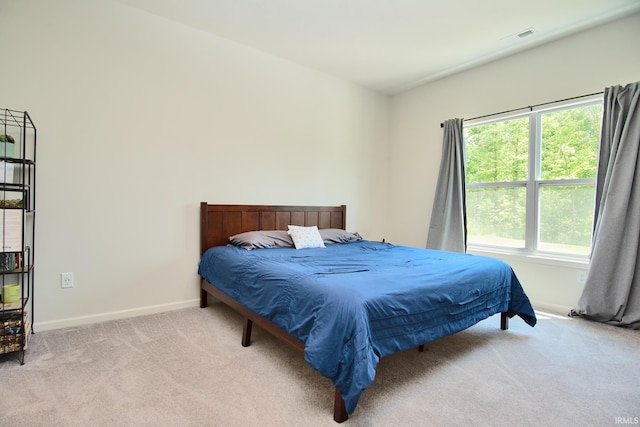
187	368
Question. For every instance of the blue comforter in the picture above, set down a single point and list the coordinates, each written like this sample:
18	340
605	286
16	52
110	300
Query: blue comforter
353	303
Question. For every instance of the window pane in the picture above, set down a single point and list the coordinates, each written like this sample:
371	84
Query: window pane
566	218
570	142
497	152
496	216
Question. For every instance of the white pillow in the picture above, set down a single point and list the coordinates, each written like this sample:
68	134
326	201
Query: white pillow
305	237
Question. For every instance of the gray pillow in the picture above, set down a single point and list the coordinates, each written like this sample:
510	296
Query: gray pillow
337	235
262	239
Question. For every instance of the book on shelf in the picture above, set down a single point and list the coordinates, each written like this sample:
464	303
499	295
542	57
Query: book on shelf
11	229
15	334
27	333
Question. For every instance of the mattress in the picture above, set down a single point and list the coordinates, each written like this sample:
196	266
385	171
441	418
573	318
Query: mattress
353	303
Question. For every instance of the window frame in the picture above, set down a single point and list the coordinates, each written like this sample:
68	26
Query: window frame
534	183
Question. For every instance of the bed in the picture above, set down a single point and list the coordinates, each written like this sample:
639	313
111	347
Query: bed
347	302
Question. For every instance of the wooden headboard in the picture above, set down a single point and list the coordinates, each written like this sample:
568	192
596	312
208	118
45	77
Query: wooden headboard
219	222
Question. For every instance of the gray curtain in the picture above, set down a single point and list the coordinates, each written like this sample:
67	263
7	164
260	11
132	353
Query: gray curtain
448	226
612	290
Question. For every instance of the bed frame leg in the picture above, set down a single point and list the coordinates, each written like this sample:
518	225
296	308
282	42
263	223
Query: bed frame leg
504	321
246	332
421	348
203	299
340	414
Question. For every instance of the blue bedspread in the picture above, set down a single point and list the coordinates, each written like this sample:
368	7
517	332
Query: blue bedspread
353	303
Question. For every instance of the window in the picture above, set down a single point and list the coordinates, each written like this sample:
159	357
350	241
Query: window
530	180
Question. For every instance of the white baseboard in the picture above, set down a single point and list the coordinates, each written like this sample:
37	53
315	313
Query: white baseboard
550	308
112	315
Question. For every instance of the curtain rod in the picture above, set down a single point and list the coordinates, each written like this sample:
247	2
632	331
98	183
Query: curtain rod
531	107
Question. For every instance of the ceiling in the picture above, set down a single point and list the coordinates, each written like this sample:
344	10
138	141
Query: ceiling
389	45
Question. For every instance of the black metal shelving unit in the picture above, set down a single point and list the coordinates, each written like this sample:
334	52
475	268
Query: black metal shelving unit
17	226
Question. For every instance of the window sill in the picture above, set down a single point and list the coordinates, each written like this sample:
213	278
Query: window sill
533	258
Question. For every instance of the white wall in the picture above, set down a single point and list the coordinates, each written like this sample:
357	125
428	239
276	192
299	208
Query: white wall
139	119
580	64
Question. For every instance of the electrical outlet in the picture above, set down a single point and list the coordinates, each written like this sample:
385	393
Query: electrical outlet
66	280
